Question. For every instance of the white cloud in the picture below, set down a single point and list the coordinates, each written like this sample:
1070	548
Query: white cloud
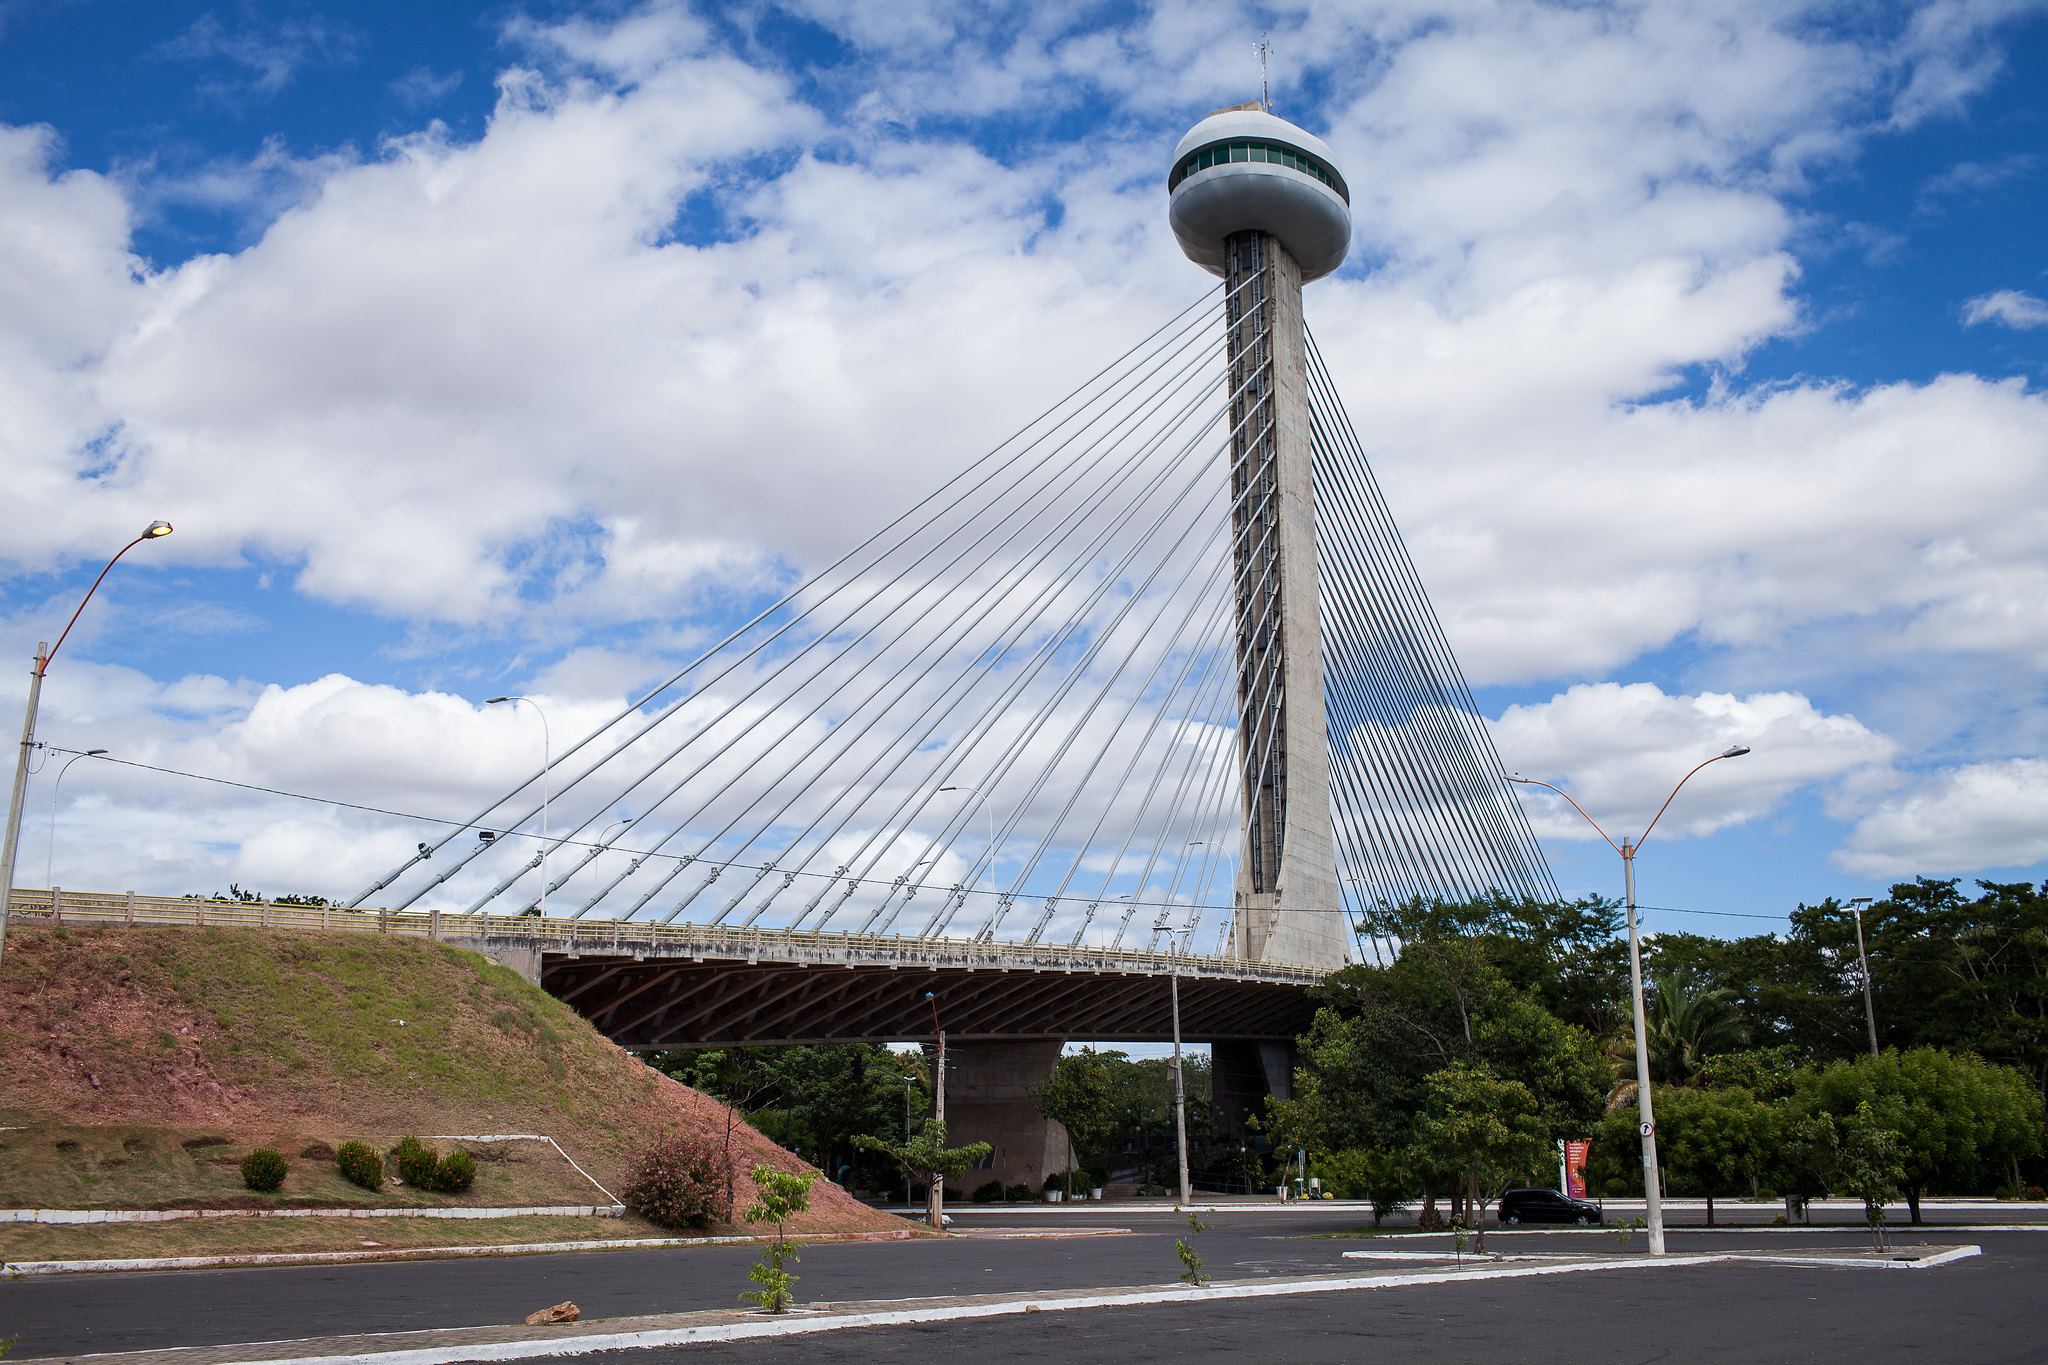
674	323
1985	815
1619	750
2007	308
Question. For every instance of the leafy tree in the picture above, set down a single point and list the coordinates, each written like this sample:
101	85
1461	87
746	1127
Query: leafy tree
1712	1139
782	1195
1871	1163
1806	1151
927	1155
1490	1127
812	1099
1685	1024
1769	1073
1080	1096
1956	1116
1792	991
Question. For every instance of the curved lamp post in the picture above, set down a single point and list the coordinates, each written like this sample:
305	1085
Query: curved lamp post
50	853
1653	1195
546	762
44	653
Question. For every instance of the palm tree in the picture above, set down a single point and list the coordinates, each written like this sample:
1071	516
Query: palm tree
1688	1024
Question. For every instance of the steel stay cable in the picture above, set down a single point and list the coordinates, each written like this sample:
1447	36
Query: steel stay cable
677	677
1078	459
1008	759
1521	838
993	592
993	711
1451	752
1047	908
1034	608
1195	607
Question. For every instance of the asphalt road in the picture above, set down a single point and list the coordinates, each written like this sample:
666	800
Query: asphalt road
70	1315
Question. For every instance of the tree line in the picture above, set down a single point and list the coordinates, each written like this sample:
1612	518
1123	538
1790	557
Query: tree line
1500	1026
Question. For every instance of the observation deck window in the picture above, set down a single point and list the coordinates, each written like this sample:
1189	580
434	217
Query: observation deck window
1254	149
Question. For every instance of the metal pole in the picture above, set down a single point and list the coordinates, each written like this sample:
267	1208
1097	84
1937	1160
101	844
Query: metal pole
28	744
1180	1098
1869	1008
935	1199
1652	1195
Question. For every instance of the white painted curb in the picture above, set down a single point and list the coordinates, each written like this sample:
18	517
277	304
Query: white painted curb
68	1217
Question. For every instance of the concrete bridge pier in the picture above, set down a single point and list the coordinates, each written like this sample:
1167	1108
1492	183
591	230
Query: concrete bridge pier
989	1099
1243	1075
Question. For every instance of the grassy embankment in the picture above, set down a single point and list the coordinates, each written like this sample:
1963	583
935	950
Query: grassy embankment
137	1065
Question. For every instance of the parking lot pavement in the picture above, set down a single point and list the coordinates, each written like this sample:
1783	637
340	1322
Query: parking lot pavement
70	1315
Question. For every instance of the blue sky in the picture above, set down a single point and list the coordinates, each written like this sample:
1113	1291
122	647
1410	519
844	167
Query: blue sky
1701	350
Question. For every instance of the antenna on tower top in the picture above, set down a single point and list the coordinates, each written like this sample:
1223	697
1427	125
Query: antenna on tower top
1262	47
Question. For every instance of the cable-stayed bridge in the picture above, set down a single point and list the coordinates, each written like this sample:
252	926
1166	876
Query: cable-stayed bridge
1151	691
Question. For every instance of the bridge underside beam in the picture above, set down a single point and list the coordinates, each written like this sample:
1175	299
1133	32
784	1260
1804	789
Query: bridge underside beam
664	1003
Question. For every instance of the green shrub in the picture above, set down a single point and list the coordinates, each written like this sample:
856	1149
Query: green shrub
1018	1194
991	1193
456	1173
680	1182
360	1164
417	1163
1098	1177
264	1170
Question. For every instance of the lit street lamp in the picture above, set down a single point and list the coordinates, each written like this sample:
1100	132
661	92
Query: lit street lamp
12	839
1869	1008
1653	1197
50	854
546	762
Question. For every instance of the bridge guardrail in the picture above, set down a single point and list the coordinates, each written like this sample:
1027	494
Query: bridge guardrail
59	905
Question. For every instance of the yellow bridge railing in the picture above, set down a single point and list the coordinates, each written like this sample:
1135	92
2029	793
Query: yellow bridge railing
58	905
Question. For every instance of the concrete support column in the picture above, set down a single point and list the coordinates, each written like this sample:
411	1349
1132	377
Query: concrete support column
1242	1076
988	1099
1288	903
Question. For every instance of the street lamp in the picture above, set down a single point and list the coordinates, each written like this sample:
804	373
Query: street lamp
1653	1196
50	854
546	762
12	840
1869	1009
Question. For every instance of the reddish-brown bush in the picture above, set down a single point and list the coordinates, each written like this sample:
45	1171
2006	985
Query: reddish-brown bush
680	1182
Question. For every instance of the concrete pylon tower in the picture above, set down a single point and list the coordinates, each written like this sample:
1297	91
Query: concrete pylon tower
1261	203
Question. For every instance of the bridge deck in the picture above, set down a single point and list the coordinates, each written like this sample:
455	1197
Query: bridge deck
653	986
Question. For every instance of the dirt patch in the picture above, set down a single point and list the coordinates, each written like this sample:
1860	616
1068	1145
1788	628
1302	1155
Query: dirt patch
159	1047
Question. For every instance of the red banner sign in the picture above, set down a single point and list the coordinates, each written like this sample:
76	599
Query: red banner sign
1575	1169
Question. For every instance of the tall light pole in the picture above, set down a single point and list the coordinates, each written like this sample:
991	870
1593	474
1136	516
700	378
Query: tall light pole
50	853
44	653
546	763
1869	1007
1653	1195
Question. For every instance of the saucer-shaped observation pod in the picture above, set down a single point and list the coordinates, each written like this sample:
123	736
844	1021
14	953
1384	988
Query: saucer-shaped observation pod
1244	170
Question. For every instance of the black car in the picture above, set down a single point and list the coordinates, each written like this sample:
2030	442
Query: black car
1545	1206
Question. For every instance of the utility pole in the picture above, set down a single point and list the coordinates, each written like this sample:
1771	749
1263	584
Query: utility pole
935	1197
1869	1008
1180	1098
